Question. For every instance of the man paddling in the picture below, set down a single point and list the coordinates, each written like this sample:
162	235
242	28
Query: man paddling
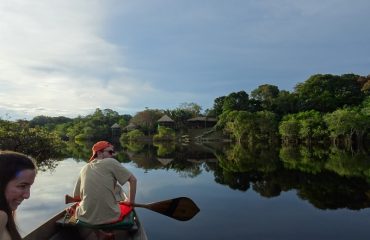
97	187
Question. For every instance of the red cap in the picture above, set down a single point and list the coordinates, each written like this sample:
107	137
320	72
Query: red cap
98	147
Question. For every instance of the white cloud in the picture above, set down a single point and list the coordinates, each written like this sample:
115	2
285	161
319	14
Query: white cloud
53	60
68	57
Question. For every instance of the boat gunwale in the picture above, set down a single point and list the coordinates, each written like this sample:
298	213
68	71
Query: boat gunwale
51	228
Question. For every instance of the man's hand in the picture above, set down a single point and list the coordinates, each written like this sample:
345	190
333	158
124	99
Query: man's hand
71	210
126	202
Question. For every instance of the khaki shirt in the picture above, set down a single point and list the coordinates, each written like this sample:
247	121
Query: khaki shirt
96	188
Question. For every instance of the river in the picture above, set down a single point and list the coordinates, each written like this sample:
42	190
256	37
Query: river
242	194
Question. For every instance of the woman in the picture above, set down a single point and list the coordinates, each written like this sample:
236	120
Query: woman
17	174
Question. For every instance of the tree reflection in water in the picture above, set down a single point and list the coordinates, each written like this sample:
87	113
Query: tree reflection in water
328	178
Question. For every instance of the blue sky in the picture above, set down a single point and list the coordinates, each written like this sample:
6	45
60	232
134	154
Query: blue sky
69	57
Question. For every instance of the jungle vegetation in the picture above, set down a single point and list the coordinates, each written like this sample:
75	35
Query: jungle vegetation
323	108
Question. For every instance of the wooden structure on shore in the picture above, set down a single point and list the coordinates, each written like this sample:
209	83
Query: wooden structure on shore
201	122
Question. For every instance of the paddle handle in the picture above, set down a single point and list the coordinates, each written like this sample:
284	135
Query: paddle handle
70	199
182	208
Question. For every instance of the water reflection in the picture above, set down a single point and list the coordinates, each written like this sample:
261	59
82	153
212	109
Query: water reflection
328	178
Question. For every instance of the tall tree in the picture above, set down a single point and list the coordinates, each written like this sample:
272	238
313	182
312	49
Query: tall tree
238	101
365	84
285	103
193	108
180	116
217	106
147	120
303	126
266	94
326	93
347	122
246	126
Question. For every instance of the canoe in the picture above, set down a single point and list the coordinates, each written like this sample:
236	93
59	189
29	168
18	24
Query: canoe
55	229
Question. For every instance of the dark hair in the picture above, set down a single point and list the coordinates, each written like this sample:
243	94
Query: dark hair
11	163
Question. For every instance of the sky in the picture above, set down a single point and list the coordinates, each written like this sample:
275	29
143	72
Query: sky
69	57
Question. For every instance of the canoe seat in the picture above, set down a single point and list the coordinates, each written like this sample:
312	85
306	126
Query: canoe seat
127	223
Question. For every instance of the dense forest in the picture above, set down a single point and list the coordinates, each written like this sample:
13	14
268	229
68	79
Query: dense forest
324	108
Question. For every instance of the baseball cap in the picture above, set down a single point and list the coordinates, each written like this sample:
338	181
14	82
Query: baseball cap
98	147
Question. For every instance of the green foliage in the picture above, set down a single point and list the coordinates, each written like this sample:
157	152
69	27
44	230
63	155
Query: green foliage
81	137
217	106
303	126
266	94
289	130
236	101
133	135
239	158
164	134
285	103
36	142
165	149
365	107
350	164
78	150
365	84
93	127
180	117
48	122
193	108
326	93
247	126
346	122
238	123
133	146
222	120
302	158
344	98
147	120
267	125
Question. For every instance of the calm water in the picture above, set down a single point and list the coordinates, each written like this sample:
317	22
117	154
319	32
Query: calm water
263	193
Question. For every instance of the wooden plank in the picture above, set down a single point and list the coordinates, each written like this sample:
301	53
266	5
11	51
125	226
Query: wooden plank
46	230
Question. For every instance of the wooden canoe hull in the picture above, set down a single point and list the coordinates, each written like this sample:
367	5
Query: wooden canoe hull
51	230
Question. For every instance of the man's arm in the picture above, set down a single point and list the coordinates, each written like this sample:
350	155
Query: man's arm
132	183
76	191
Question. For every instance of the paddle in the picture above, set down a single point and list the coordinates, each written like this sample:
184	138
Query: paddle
181	208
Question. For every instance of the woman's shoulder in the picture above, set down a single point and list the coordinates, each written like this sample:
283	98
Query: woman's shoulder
4	234
3	218
3	214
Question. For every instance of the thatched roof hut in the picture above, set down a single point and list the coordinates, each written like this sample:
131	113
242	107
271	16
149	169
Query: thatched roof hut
166	121
116	125
130	127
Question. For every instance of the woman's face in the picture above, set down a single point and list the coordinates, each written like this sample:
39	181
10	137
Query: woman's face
19	188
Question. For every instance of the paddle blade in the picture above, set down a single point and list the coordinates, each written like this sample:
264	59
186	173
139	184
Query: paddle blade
181	208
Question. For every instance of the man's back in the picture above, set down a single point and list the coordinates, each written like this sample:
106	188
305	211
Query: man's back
96	187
